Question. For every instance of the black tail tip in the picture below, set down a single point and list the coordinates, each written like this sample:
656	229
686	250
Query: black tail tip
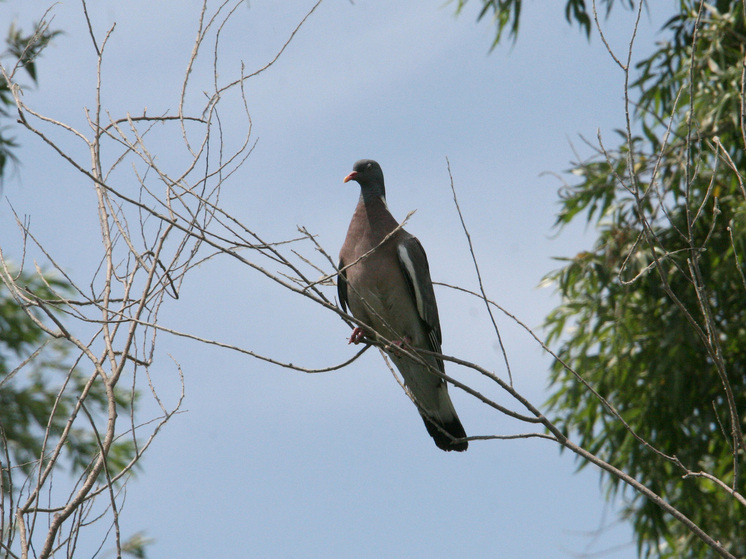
445	440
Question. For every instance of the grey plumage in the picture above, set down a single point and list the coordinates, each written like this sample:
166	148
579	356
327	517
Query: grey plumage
390	290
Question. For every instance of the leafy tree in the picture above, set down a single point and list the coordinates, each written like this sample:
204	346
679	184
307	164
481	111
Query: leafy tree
653	316
39	387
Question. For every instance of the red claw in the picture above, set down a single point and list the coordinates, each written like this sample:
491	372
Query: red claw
357	336
399	344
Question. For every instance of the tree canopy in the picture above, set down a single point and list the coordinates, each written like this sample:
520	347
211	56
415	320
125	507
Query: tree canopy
40	386
651	335
653	315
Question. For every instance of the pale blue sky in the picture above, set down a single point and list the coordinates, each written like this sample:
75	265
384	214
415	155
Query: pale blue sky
273	463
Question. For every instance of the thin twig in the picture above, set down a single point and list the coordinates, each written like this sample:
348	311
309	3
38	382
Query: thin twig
479	275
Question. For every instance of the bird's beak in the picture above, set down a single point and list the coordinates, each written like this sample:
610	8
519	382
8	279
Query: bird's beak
350	177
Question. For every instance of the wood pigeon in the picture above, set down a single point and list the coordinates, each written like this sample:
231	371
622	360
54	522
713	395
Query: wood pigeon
390	290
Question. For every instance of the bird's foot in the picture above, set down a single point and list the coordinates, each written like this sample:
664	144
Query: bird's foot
399	344
358	335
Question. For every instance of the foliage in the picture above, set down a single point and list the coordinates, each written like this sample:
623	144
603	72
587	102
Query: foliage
23	50
506	14
40	388
653	317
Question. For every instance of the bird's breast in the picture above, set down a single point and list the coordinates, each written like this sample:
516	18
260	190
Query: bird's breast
380	296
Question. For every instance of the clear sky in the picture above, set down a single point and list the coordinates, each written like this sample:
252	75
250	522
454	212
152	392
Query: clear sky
268	462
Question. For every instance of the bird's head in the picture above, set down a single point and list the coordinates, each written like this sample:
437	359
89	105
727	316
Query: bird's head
368	174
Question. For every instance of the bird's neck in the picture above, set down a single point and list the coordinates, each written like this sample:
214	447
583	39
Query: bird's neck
373	200
373	211
373	192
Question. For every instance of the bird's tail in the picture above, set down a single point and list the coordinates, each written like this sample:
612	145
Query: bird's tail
443	432
444	425
430	393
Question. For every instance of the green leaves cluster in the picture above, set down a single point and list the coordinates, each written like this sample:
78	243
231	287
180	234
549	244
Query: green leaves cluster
506	14
40	388
651	329
653	316
23	50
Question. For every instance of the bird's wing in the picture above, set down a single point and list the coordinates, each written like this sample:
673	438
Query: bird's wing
342	286
413	262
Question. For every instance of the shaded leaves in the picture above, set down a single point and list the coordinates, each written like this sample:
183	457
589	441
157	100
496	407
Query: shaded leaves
646	309
40	386
23	50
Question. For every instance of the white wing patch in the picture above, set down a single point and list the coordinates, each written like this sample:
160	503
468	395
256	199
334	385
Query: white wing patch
405	259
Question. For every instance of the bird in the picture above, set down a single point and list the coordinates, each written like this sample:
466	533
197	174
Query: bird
385	283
